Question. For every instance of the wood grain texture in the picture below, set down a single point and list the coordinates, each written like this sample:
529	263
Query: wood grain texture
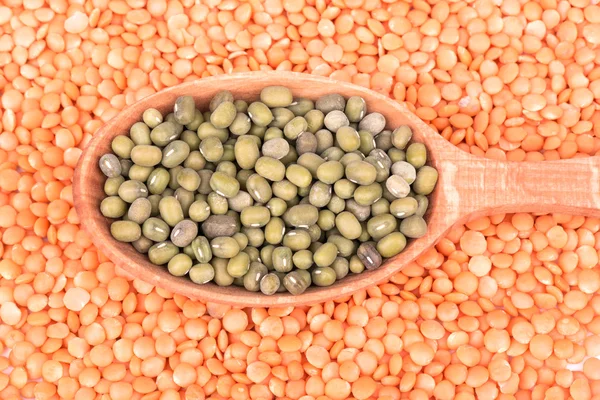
468	187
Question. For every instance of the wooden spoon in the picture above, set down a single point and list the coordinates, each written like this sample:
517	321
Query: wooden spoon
468	187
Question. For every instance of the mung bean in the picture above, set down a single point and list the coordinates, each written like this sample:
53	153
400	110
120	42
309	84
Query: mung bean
310	191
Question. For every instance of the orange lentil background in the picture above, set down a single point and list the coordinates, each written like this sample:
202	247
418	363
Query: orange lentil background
506	307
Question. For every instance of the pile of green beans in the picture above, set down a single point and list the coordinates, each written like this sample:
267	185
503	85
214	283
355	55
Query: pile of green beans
273	196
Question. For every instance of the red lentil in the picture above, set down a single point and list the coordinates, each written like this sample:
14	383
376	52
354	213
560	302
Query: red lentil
500	308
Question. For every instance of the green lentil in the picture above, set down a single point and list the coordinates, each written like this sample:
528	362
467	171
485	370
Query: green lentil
325	255
111	186
224	247
125	167
113	207
246	152
282	259
361	172
413	227
208	130
295	127
373	123
165	133
306	143
369	256
303	259
356	266
142	245
340	267
110	165
296	283
276	206
361	212
179	265
416	155
224	185
138	173
330	171
131	190
140	132
260	114
222	117
241	124
281	116
269	284
315	120
274	231
270	168
423	204
151	117
324	140
344	189
191	138
238	265
323	276
240	201
336	205
302	215
161	253
347	138
320	194
252	278
220	97
426	180
222	277
356	108
348	225
311	162
202	273
188	179
391	244
212	149
122	145
383	141
140	210
255	216
367	195
184	110
301	106
276	96
297	239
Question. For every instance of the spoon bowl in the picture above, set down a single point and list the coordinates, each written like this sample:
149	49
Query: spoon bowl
468	187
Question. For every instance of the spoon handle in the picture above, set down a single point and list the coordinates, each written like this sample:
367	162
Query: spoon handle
485	187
